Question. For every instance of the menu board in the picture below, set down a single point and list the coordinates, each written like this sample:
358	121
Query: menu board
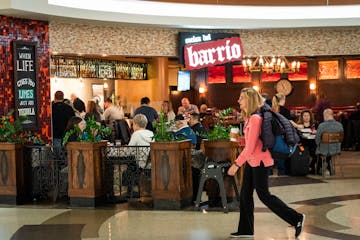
26	81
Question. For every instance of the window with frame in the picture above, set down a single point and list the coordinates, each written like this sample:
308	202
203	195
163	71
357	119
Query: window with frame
328	70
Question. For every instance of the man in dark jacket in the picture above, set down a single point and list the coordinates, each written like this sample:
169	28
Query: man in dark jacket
148	111
60	114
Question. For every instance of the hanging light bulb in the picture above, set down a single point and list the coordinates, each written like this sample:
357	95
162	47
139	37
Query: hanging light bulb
81	82
106	85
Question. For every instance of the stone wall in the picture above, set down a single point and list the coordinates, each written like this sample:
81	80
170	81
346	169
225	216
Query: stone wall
147	41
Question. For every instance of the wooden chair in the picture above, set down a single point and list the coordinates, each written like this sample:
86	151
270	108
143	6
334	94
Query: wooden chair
328	139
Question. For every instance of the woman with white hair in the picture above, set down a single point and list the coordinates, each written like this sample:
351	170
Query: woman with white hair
141	135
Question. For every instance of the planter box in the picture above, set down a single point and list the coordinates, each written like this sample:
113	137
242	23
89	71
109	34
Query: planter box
86	173
171	174
219	151
12	180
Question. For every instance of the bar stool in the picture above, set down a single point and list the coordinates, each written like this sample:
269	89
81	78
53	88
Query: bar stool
330	139
216	171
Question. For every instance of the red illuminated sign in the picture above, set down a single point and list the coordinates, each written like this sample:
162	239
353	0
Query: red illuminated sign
217	52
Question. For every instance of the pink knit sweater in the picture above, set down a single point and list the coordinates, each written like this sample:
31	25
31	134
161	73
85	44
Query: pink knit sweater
252	153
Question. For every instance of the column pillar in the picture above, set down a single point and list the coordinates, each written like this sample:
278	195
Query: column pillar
161	86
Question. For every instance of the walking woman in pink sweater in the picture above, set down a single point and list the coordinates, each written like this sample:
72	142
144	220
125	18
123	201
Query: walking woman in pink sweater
256	171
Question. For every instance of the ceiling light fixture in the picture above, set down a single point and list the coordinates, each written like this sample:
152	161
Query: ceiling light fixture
270	65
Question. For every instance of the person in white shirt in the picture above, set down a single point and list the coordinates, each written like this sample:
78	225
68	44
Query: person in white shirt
141	137
112	112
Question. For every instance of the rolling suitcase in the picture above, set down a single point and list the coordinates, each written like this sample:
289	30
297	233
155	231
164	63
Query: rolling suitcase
299	161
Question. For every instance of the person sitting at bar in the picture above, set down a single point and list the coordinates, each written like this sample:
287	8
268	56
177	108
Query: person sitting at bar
188	108
197	156
203	110
141	137
183	131
92	111
148	111
111	112
81	124
138	148
307	125
198	128
329	125
166	108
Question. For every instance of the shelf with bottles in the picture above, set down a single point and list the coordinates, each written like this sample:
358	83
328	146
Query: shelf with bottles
53	66
74	67
67	68
138	71
88	68
106	70
122	70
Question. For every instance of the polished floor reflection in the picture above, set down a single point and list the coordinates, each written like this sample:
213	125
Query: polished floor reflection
331	205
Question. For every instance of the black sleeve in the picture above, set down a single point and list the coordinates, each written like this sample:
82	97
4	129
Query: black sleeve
286	113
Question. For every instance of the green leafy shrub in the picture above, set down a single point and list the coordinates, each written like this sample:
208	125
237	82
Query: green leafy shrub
162	132
11	131
162	127
33	138
93	132
220	132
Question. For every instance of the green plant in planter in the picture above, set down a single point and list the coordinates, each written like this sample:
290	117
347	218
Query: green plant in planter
11	131
162	127
220	132
93	132
33	138
162	133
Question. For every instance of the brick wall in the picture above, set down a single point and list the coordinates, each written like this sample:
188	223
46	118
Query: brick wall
27	30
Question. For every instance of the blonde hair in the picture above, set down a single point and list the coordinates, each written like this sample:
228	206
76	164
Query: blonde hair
275	102
254	101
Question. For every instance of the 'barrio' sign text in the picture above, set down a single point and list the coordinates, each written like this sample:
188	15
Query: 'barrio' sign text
217	52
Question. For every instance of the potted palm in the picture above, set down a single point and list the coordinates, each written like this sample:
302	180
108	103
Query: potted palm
171	168
12	180
86	155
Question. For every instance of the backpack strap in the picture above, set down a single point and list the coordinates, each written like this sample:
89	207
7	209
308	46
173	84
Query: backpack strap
267	136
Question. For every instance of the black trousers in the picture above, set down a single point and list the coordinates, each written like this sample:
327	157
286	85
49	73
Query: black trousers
257	178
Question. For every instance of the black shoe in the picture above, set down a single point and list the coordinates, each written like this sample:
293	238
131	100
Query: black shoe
239	235
299	226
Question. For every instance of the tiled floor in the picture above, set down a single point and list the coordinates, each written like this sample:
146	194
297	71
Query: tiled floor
331	205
